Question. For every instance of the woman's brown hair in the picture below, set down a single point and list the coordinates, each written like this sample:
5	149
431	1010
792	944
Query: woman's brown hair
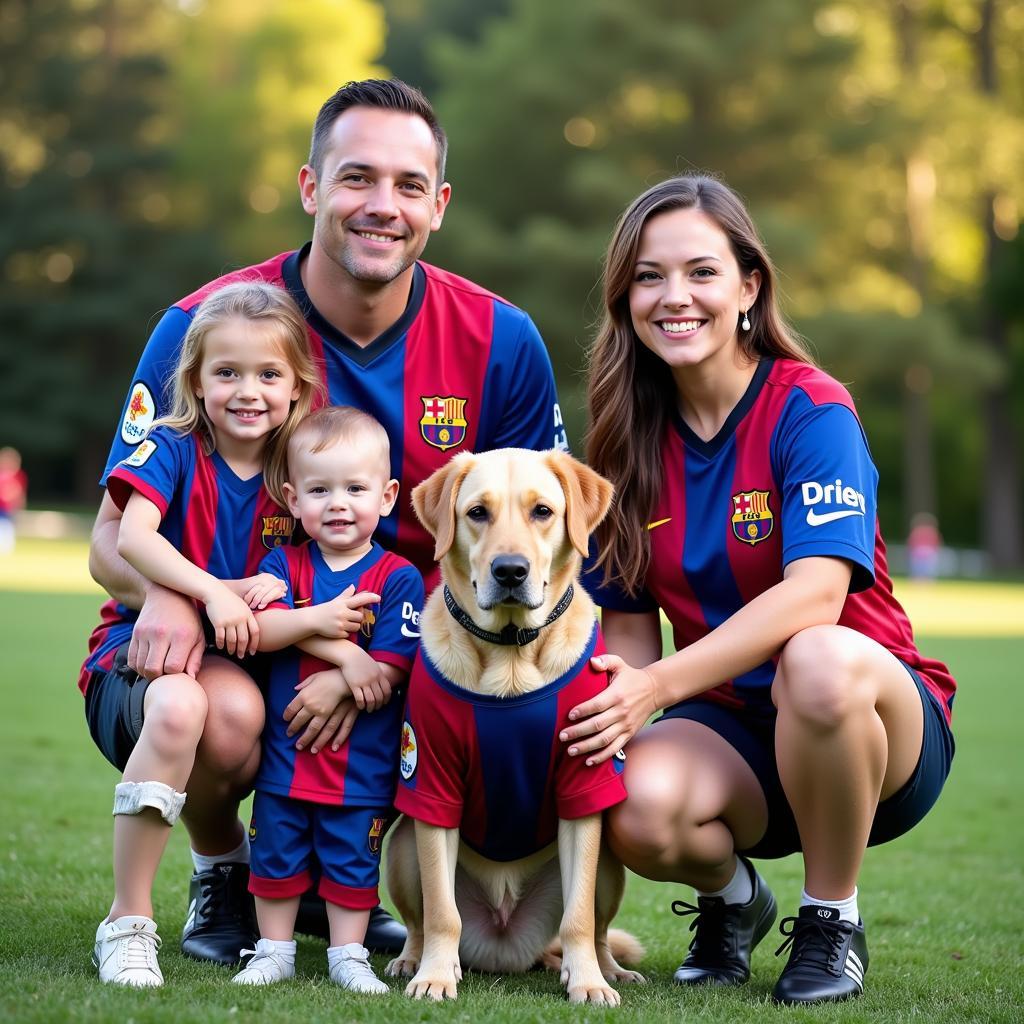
630	392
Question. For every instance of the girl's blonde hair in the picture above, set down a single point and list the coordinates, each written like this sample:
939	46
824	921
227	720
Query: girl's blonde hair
248	300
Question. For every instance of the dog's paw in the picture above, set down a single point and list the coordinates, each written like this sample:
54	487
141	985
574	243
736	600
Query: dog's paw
588	986
438	983
403	966
624	974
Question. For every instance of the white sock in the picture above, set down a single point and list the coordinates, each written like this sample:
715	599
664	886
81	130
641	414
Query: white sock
847	908
739	889
239	855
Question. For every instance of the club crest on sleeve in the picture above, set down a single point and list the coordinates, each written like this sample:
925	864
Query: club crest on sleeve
443	423
376	834
139	415
141	455
277	530
369	618
409	755
752	518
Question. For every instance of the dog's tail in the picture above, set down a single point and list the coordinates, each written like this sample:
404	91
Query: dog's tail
625	948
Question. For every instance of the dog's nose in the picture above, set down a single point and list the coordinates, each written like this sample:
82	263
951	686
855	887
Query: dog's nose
510	570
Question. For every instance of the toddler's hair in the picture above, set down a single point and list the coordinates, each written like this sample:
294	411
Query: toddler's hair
335	423
261	302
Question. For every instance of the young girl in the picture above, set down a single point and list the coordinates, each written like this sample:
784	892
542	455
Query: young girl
197	518
799	714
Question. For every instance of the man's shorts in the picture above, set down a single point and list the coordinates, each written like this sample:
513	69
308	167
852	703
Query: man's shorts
113	709
285	834
754	738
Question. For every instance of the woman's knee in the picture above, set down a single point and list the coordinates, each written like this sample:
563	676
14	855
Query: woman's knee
819	679
649	824
176	711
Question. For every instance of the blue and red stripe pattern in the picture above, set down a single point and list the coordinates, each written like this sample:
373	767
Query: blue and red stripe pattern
795	438
494	767
456	342
219	522
362	771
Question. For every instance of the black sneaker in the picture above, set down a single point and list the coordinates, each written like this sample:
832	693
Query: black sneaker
828	959
383	933
221	918
726	935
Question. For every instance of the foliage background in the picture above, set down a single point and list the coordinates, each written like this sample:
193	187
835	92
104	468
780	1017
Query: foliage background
147	145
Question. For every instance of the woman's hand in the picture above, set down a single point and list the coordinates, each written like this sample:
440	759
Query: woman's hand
606	723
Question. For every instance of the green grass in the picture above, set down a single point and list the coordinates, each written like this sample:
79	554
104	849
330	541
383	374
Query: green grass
943	905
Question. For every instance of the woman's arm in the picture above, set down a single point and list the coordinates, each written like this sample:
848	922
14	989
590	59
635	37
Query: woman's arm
812	593
634	636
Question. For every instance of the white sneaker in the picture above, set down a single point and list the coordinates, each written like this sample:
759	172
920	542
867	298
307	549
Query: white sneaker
125	952
268	966
349	967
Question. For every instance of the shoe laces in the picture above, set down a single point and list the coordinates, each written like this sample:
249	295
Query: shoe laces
219	900
138	948
815	942
264	961
711	927
357	968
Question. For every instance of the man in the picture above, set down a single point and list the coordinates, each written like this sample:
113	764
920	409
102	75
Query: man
445	365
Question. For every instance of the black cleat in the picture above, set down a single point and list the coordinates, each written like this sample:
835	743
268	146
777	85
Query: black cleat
726	935
221	916
828	959
383	933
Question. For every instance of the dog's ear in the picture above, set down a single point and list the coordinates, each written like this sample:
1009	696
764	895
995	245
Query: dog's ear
434	499
588	496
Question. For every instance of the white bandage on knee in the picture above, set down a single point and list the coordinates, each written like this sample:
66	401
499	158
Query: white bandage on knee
132	797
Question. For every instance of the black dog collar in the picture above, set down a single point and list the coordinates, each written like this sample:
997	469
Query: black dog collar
510	635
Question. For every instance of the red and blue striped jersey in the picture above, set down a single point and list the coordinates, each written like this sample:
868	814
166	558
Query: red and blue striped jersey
461	370
362	771
788	476
494	767
219	522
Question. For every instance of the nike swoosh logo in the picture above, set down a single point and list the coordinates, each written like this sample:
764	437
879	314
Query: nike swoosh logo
814	519
660	522
406	631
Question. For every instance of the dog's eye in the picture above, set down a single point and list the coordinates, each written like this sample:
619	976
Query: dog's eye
477	513
542	512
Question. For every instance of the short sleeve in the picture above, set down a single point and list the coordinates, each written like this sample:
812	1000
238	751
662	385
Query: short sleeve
146	400
396	633
276	563
157	469
610	595
829	487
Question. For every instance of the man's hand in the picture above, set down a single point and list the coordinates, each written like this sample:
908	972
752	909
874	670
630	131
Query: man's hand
322	710
168	636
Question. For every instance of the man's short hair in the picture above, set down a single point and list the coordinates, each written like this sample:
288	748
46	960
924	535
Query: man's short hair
383	94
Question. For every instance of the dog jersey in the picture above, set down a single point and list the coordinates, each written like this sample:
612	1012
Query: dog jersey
461	370
219	522
494	767
788	476
362	771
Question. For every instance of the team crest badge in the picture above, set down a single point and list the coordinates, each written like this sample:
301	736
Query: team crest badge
141	455
139	415
376	834
368	620
409	756
443	423
752	519
277	530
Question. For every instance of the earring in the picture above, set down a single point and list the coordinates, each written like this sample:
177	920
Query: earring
745	323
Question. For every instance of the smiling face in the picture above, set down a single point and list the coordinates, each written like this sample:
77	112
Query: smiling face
688	292
340	493
245	383
376	199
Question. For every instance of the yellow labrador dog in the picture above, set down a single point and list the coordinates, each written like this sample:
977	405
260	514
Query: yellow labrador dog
510	529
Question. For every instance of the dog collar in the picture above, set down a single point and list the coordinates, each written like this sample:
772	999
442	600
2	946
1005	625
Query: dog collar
510	635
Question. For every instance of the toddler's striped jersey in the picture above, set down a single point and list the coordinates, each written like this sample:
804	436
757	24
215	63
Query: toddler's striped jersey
362	771
494	767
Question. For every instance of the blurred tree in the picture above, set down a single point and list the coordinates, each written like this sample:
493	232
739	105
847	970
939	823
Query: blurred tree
854	132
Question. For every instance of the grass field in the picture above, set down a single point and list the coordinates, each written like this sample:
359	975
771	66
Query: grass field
943	905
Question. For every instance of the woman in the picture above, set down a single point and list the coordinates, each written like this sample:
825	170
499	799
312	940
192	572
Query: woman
798	714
